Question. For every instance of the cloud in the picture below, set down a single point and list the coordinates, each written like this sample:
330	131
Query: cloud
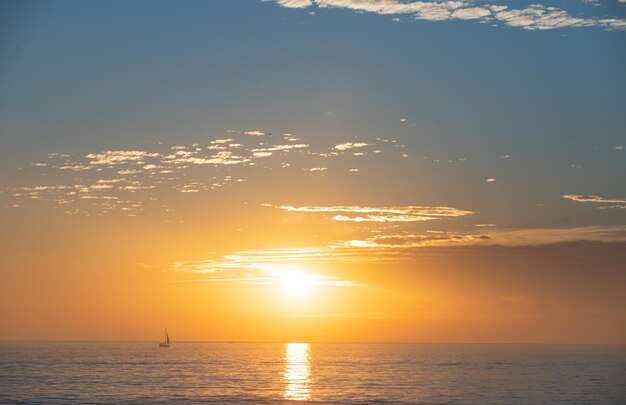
592	199
219	141
350	145
114	157
544	236
533	17
610	207
254	133
380	214
471	13
76	167
407	241
295	3
539	17
134	176
385	248
291	138
383	218
426	10
220	158
239	269
281	147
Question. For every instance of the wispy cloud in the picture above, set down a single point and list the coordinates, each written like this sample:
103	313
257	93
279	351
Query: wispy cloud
543	236
409	213
593	199
394	247
384	248
532	17
237	269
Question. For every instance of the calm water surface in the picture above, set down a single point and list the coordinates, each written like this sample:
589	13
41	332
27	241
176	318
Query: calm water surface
188	373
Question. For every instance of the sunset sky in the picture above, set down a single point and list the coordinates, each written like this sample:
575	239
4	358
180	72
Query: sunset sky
313	170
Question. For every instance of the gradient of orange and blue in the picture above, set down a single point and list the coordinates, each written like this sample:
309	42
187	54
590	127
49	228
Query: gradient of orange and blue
313	170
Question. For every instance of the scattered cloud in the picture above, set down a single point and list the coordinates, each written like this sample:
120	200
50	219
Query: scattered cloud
132	180
532	17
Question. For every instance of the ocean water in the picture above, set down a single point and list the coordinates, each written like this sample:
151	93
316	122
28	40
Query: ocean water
189	373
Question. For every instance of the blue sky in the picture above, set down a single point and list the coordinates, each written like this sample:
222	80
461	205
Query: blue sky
89	76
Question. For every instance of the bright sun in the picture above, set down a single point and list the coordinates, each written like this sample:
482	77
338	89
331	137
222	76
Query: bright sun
296	282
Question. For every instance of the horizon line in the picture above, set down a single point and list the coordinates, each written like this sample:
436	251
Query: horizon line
311	342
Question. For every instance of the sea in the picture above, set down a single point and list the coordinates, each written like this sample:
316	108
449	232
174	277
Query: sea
345	373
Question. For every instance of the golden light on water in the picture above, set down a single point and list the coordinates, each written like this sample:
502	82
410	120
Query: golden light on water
297	372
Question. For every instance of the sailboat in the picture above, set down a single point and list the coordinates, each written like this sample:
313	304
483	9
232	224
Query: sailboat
167	340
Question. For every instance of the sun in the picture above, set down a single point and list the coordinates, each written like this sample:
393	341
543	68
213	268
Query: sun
296	282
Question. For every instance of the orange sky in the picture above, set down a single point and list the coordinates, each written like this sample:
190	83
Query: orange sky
101	278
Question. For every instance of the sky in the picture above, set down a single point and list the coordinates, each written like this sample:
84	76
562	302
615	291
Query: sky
313	170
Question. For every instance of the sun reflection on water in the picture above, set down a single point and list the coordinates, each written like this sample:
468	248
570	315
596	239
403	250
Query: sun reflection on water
297	371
